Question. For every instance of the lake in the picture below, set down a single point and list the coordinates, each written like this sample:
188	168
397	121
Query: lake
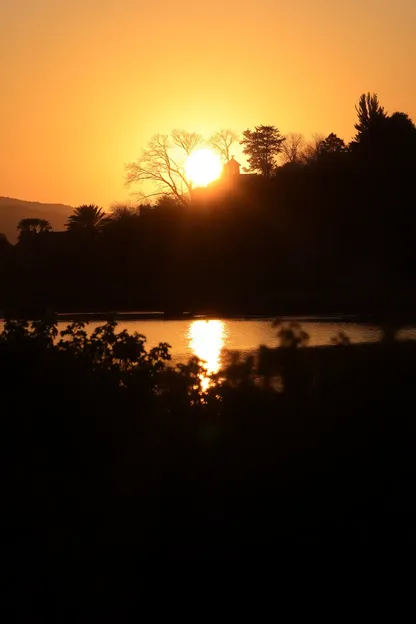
208	338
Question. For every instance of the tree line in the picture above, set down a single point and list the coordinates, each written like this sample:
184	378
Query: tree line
321	226
377	135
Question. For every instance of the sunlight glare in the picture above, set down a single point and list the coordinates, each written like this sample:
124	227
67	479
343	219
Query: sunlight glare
206	339
202	167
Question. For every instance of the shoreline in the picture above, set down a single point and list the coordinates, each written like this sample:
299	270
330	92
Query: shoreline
185	316
359	318
375	313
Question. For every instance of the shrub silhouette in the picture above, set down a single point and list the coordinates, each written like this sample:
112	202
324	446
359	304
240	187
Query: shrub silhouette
340	339
103	434
291	335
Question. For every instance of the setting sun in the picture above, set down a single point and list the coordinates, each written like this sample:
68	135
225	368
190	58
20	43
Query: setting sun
202	167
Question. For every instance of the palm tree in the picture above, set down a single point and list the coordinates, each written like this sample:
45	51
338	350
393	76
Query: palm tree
32	227
87	218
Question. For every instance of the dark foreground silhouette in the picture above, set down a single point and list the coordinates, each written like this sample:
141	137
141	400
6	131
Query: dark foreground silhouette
112	458
327	231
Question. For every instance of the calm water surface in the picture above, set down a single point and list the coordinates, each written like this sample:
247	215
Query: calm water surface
207	339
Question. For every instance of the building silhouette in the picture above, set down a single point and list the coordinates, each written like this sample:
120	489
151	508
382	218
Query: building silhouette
231	169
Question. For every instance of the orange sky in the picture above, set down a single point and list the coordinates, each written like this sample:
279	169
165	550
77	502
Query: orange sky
85	83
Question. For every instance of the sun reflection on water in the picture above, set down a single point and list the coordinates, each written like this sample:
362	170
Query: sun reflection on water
206	341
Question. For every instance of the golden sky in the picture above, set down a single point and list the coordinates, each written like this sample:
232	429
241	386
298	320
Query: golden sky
85	83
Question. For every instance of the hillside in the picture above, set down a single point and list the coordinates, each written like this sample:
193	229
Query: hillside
12	210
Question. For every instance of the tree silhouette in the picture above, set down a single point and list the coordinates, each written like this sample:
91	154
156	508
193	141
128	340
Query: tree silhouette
31	227
236	231
370	139
261	146
87	218
187	141
402	123
222	142
292	148
385	140
121	212
312	149
370	114
291	335
400	139
332	145
4	242
163	164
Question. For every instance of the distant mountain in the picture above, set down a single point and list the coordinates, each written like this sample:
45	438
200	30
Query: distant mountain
12	210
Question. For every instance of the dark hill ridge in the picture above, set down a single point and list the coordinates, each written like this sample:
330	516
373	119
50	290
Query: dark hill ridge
13	210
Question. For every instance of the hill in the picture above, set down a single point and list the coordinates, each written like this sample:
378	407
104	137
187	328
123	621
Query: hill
12	210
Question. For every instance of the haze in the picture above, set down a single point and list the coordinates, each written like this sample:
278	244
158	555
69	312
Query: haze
85	83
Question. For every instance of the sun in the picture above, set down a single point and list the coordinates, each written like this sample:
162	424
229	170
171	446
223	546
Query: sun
202	167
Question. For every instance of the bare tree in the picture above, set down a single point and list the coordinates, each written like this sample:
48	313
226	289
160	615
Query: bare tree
222	142
162	163
187	141
312	149
292	148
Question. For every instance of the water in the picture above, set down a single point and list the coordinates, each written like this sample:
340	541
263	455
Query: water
207	339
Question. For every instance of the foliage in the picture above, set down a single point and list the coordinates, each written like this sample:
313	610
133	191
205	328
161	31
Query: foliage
32	227
122	355
370	115
369	141
88	218
332	144
383	140
400	141
330	233
106	443
291	335
261	146
121	212
4	242
341	339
